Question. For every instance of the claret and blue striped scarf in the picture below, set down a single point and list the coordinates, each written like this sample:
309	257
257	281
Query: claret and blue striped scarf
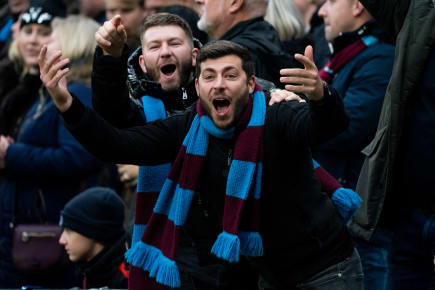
155	252
341	58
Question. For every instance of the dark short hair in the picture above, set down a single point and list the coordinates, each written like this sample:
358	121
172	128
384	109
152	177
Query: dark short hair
220	48
165	19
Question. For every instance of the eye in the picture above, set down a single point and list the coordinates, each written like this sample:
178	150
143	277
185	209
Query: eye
231	75
27	29
175	43
153	47
45	32
208	77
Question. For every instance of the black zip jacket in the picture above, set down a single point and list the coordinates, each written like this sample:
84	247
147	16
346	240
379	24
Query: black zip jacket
302	231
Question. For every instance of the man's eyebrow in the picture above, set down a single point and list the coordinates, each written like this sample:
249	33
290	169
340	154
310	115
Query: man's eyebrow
209	70
225	69
164	39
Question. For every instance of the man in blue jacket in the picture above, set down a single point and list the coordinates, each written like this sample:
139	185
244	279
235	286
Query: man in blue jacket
359	69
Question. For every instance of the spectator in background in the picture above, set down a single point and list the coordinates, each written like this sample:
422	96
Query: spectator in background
396	180
19	76
94	9
132	14
289	23
242	22
94	237
45	160
9	14
359	70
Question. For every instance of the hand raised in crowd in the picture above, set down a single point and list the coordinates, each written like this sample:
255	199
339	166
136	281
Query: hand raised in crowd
306	80
53	77
112	36
278	96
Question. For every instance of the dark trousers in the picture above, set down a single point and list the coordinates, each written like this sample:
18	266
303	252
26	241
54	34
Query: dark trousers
411	260
345	275
374	259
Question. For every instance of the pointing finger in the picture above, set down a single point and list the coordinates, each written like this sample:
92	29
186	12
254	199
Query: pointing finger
116	20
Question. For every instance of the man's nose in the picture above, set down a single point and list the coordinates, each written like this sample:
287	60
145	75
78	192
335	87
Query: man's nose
62	238
165	49
219	83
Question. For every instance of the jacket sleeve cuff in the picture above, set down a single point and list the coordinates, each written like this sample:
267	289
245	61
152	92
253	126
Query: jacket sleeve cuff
75	113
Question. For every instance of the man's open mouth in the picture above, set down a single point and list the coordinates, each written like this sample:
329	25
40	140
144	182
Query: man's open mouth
221	106
168	69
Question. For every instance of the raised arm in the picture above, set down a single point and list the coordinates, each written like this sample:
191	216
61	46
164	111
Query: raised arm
110	96
154	144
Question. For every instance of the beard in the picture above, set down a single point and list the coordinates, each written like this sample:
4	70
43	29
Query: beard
202	23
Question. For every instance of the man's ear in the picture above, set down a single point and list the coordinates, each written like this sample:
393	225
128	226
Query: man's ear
235	5
197	86
251	84
142	63
194	55
357	9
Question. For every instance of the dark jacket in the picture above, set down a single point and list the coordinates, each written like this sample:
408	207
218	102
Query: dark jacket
362	83
106	268
412	23
263	42
17	95
301	229
44	158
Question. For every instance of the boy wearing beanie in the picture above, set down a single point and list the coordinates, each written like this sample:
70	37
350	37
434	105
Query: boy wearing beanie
94	237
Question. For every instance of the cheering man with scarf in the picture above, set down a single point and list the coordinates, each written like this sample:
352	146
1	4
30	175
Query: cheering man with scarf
249	165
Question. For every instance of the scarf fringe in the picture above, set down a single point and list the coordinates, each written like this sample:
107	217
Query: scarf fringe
165	271
251	244
347	201
151	259
227	246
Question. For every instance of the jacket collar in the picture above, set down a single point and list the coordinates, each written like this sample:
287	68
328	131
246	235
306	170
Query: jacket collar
347	38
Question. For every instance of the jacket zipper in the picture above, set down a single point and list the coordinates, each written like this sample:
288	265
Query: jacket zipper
230	157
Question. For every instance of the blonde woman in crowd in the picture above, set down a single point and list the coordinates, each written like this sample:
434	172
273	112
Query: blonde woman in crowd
286	18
